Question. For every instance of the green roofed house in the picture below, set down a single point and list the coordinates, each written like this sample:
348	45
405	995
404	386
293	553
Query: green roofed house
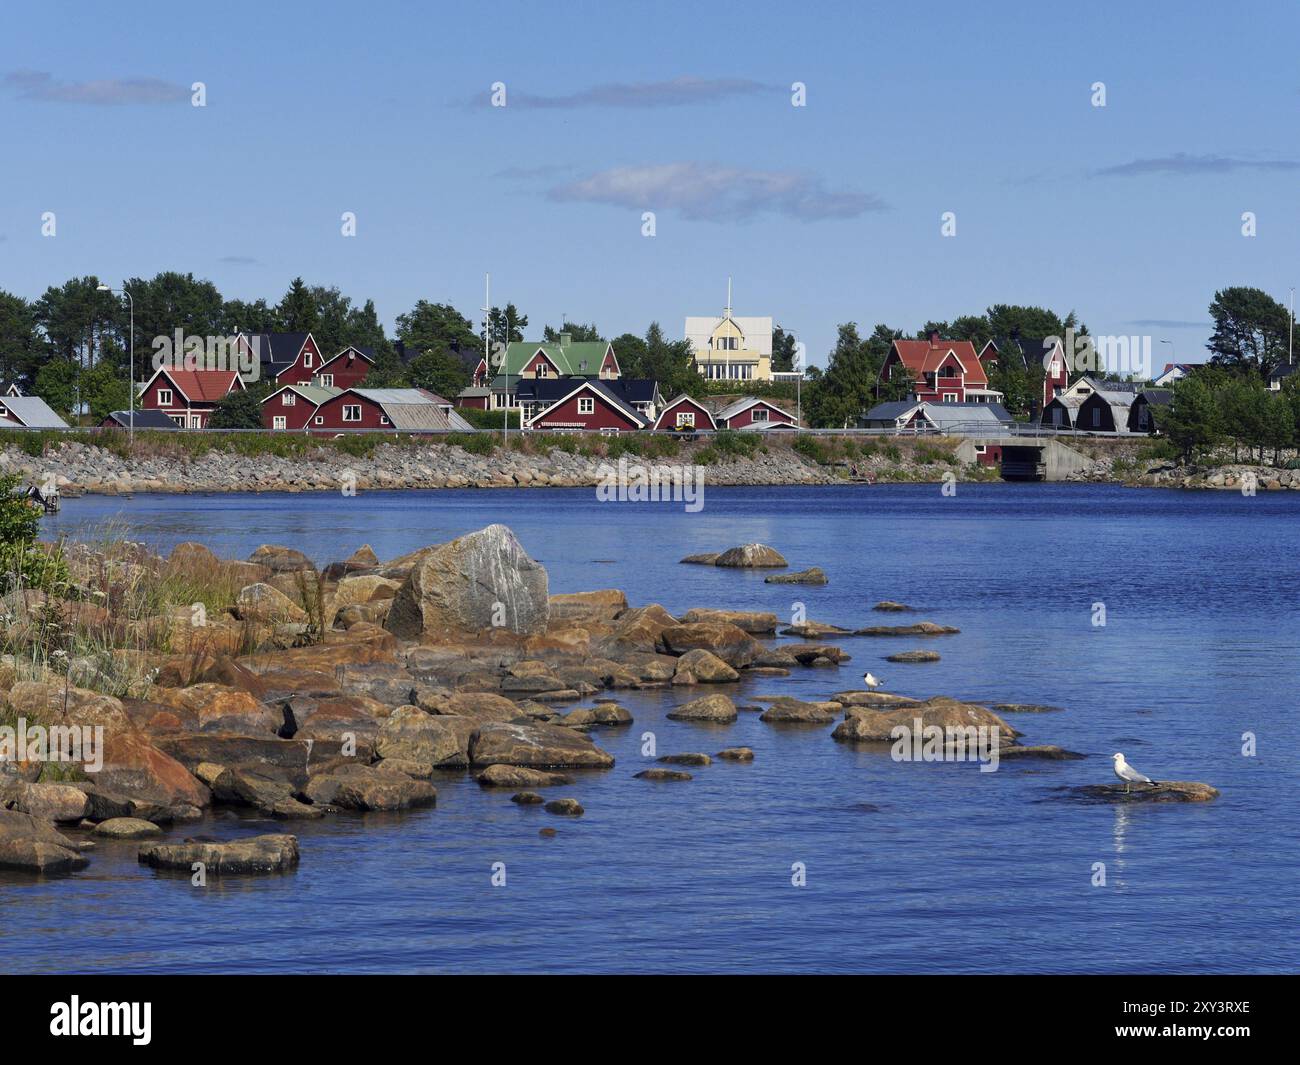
543	360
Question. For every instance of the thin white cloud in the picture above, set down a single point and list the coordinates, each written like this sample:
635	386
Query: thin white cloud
1184	165
42	87
677	92
702	191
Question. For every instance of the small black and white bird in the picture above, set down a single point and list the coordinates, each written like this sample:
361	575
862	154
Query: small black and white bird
1128	774
871	681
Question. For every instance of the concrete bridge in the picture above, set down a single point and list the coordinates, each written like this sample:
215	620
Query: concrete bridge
1028	458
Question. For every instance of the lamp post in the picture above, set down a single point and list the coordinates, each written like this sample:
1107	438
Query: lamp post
130	425
1172	356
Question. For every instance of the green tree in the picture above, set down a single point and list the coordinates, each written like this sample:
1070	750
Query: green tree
507	325
1193	422
438	371
169	301
1250	330
577	332
56	383
297	311
670	362
21	344
784	346
847	388
630	350
436	327
104	389
77	319
256	317
241	409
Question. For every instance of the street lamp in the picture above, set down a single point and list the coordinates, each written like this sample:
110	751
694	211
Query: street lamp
130	425
1172	356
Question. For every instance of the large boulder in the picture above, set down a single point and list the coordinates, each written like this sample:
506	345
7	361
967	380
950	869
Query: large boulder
135	768
49	802
603	605
262	602
637	631
751	556
411	735
703	667
258	854
711	708
279	559
863	724
469	585
734	646
1164	791
759	623
536	745
35	846
363	787
812	575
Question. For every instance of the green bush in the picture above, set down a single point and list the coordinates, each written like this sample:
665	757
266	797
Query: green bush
730	442
622	445
474	443
489	419
707	456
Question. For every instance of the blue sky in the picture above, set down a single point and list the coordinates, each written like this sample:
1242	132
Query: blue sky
1129	214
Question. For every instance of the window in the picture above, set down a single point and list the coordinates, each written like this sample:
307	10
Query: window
164	397
318	420
288	399
383	419
352	412
306	360
686	417
196	421
586	405
278	422
327	380
179	419
980	449
950	397
759	414
1096	417
541	369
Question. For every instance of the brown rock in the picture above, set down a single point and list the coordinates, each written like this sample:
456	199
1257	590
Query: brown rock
921	628
709	708
812	575
258	854
536	745
737	754
751	556
511	776
663	774
914	656
734	646
755	622
565	807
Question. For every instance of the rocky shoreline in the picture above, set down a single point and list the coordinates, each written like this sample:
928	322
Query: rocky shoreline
79	468
358	685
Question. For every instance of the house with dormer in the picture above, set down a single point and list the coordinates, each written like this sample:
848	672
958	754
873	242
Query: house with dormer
1027	352
731	348
530	360
938	371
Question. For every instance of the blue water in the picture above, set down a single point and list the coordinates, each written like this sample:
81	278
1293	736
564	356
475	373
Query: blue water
910	867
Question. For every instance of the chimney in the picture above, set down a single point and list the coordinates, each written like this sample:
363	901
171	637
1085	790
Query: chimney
934	336
564	339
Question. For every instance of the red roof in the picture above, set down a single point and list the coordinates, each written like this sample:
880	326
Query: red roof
203	386
924	356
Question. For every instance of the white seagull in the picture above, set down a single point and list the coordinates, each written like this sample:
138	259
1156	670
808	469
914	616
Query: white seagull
871	681
1128	774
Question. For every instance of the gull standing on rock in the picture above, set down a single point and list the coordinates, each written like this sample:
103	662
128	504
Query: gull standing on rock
871	681
1128	774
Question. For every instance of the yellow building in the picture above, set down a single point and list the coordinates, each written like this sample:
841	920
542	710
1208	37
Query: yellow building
731	348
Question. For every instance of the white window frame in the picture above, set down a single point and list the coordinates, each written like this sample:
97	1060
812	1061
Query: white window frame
327	380
288	399
760	414
347	407
279	421
306	360
586	404
164	397
686	417
318	420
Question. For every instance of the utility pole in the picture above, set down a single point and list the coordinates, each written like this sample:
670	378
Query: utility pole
1290	339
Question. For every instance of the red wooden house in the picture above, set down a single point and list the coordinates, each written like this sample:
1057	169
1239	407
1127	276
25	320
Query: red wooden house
755	413
685	414
1047	352
283	358
347	369
939	371
293	407
590	404
401	409
188	397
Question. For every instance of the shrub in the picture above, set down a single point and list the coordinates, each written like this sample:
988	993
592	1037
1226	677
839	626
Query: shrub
474	443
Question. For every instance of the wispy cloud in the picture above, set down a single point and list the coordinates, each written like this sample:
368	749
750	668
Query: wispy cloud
42	87
678	92
238	260
1168	323
1185	165
702	191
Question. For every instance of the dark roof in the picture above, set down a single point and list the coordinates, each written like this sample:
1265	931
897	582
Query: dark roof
1285	369
1026	347
890	411
144	419
545	389
1160	397
636	389
277	351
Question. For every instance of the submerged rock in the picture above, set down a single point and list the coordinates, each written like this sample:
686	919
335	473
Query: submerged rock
921	628
662	774
789	711
1164	791
709	708
1026	708
565	807
812	575
271	853
709	558
685	759
35	846
527	798
913	656
127	828
737	754
890	607
751	556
